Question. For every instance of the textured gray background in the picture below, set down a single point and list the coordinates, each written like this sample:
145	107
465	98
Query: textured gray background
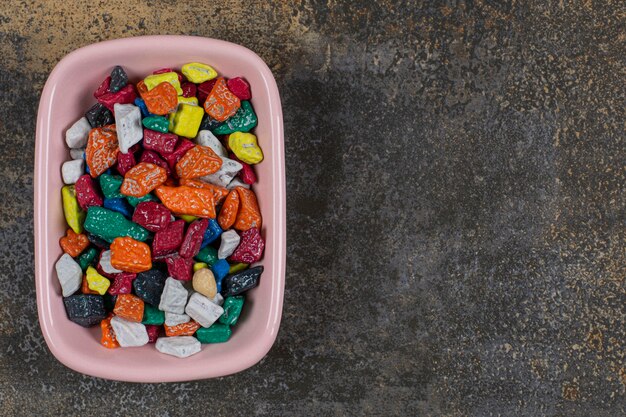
455	182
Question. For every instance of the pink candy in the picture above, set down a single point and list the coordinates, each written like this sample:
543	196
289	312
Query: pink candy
250	247
172	158
103	89
239	87
87	193
126	95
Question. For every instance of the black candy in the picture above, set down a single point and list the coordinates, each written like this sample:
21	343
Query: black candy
149	285
109	301
98	115
240	282
209	123
119	79
85	309
98	242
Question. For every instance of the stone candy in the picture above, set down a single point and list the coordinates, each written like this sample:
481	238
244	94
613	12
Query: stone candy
97	241
173	319
153	332
232	310
171	78
110	185
249	214
109	302
168	239
221	103
203	310
119	79
185	100
228	212
240	88
183	329
128	126
86	193
237	267
142	107
236	182
129	307
186	121
128	333
86	258
108	339
134	201
108	225
122	283
152	216
126	95
143	178
103	88
204	90
130	255
250	248
157	124
246	174
219	193
240	282
74	216
149	285
102	149
159	142
105	263
179	346
125	161
189	89
193	238
208	139
160	100
119	205
84	288
69	274
208	255
245	146
218	299
187	200
229	241
96	282
179	267
225	174
85	309
213	231
152	157
174	297
204	282
199	265
78	153
217	333
76	136
243	121
198	73
197	162
183	146
220	270
152	315
73	243
99	116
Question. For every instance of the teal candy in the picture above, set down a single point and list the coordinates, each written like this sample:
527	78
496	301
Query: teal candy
217	333
232	309
108	225
242	121
86	258
158	123
134	200
110	185
152	315
208	255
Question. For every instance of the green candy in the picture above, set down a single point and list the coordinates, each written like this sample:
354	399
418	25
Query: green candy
158	123
133	201
217	333
208	255
242	121
152	315
108	225
110	185
232	309
86	258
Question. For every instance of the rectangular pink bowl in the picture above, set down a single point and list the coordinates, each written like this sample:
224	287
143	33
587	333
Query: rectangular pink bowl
65	98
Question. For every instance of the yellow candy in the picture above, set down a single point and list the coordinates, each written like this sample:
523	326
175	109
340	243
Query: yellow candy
188	218
74	216
245	146
96	282
186	121
152	81
199	265
193	101
237	267
198	73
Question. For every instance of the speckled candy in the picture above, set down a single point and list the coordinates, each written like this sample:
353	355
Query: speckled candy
122	283
162	143
119	205
219	192
189	89
86	258
179	346
243	121
96	282
197	72
186	121
108	225
203	310
130	255
129	307
245	146
225	174
187	200
197	162
152	315
240	282
183	329
110	185
128	333
118	78
168	239
152	216
157	124
125	161
86	192
98	115
193	238
174	297
74	216
128	126
220	270
221	103
232	309
108	339
149	285
217	333
229	241
76	136
240	88
69	274
125	95
85	309
213	231
158	78
152	157
153	331
73	243
250	247
160	100
179	267
102	149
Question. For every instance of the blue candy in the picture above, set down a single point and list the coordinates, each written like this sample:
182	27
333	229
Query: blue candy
120	205
142	106
213	231
220	270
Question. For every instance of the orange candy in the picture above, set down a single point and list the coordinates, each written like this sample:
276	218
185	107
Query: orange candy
108	339
130	255
187	200
102	148
228	213
161	100
73	243
84	288
129	307
219	193
183	329
249	215
143	178
197	162
221	103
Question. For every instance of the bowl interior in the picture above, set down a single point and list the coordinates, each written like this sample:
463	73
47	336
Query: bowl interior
66	96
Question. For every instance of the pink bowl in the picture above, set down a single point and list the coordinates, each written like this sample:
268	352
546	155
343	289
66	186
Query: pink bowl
66	96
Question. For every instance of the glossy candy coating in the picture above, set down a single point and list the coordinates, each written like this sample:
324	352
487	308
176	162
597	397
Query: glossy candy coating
250	247
110	185
129	307
108	225
73	243
74	215
102	149
98	115
160	100
168	239
179	267
149	285
193	238
246	147
85	309
108	339
157	141
122	283
156	79
96	282
130	255
221	103
120	205
87	193
217	333
187	200
156	123
86	258
183	329
143	178
152	315
197	162
125	95
239	87
243	121
187	119
232	309
240	282
118	78
198	73
152	216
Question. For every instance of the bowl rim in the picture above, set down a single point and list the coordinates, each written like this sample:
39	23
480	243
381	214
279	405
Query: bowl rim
266	341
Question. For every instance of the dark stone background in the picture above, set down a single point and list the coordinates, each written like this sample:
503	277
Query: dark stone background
455	181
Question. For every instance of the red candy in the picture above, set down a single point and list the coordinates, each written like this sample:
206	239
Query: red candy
162	143
193	238
152	216
154	332
126	95
172	158
154	158
246	174
168	240
204	90
239	87
104	88
125	161
189	89
179	267
250	247
87	193
122	283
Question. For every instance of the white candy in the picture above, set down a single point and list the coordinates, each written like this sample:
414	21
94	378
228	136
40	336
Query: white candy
128	125
208	139
173	319
230	241
77	153
203	310
128	333
69	273
72	170
174	296
218	299
105	263
179	346
226	173
77	135
236	182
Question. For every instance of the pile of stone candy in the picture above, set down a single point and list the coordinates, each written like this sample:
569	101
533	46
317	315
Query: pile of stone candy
163	225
